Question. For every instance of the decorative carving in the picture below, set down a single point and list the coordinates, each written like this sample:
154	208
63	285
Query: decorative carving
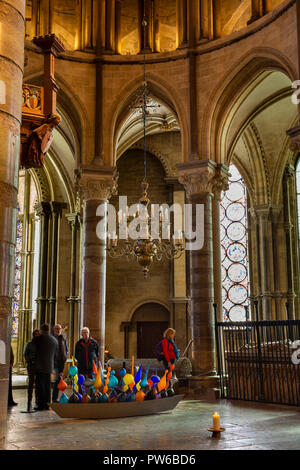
32	99
38	143
197	178
5	305
8	195
94	188
220	182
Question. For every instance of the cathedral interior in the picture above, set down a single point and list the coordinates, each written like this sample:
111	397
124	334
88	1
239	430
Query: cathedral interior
222	131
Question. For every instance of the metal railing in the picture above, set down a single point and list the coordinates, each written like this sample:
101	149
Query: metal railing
257	360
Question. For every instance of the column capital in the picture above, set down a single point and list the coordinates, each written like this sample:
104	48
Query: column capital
203	177
57	207
97	183
43	208
265	212
73	219
294	135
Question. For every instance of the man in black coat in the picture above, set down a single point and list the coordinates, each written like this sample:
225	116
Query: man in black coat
86	351
60	359
46	353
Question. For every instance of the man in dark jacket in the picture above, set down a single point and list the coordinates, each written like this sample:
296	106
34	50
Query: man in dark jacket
61	358
86	351
29	355
46	352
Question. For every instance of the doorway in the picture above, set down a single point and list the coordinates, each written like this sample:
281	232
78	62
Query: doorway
149	333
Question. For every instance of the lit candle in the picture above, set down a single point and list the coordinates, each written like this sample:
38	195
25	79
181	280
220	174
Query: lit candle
120	216
216	421
152	210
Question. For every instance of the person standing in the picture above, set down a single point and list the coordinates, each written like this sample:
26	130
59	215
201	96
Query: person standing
86	351
29	355
46	354
169	349
11	401
61	358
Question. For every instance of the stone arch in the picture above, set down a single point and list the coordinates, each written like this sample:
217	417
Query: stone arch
153	300
161	90
234	87
154	151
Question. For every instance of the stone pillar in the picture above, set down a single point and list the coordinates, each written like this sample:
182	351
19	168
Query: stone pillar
181	24
257	10
206	20
11	73
198	179
110	25
97	186
288	228
43	211
145	12
79	17
118	26
178	279
56	209
156	37
74	222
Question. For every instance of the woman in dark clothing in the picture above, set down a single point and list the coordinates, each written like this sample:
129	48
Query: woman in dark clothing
169	349
11	401
86	351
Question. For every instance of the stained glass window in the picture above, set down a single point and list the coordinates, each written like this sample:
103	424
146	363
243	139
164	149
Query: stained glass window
233	228
27	197
17	281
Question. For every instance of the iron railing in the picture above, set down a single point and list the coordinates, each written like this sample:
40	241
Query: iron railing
258	361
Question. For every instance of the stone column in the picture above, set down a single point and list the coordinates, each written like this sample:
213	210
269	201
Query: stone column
56	209
74	222
145	45
43	211
110	25
288	228
257	10
11	74
198	180
156	37
206	20
79	17
181	24
97	186
118	26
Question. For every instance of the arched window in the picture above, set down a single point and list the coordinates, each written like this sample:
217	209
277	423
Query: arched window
234	251
26	260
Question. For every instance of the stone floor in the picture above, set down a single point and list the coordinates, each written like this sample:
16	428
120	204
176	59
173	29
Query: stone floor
248	426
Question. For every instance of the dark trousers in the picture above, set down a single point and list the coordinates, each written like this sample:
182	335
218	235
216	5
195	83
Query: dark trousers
55	389
10	397
43	389
165	363
31	380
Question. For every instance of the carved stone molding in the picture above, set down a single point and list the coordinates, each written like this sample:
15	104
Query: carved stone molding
294	135
198	177
97	184
8	195
220	181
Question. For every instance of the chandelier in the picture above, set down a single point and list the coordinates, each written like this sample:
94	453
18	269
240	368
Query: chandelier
154	240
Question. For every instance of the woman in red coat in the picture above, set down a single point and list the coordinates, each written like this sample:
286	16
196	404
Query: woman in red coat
169	349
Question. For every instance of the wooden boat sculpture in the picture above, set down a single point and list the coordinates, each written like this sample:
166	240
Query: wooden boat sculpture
126	400
115	410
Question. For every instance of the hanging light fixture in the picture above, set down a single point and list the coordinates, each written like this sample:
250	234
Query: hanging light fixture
154	239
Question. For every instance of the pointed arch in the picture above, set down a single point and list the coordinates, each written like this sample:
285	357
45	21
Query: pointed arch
163	92
238	83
